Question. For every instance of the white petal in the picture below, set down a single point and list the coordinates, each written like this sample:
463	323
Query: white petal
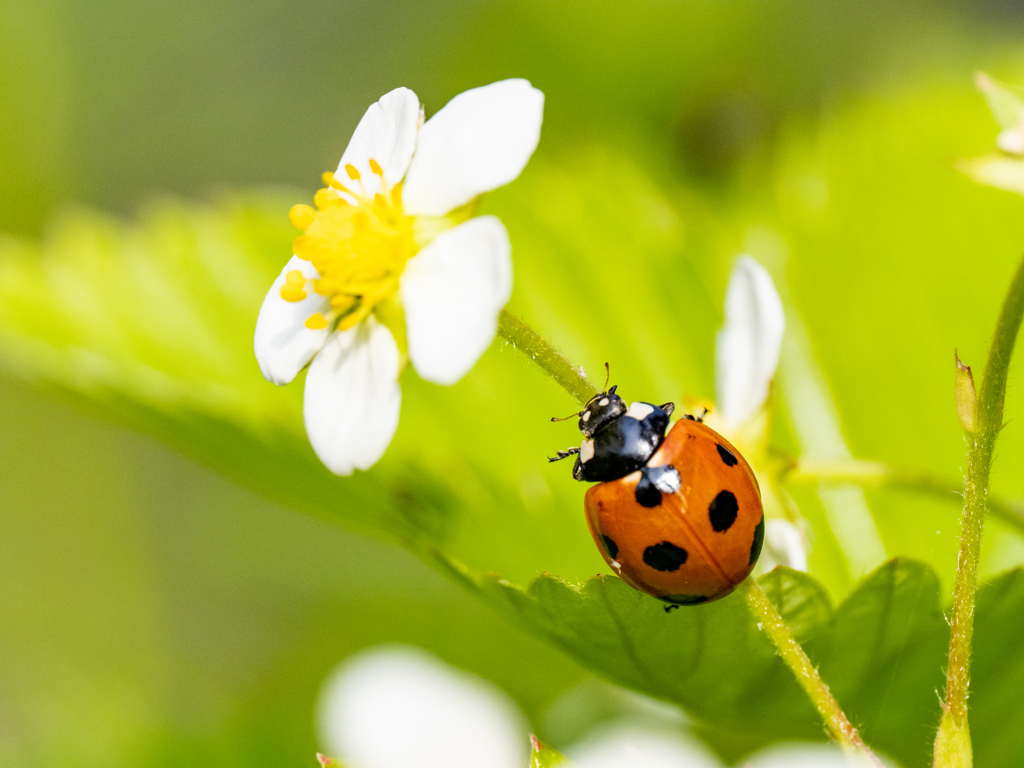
283	343
747	349
387	134
478	141
800	756
635	747
1011	140
783	545
452	292
352	397
396	707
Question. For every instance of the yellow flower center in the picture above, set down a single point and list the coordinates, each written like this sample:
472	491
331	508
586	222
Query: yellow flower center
359	246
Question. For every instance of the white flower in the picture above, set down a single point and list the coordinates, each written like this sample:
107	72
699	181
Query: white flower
746	357
784	544
627	746
397	707
388	266
747	347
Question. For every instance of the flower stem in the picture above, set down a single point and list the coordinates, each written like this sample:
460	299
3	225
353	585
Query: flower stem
953	744
574	380
877	474
570	377
839	726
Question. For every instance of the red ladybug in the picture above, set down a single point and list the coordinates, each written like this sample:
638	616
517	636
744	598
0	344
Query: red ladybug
678	516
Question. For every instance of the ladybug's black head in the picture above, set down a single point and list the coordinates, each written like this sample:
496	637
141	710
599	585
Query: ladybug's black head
602	408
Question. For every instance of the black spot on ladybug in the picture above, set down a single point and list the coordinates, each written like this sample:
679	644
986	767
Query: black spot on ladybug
646	494
655	481
755	548
610	546
665	556
728	457
722	511
678	600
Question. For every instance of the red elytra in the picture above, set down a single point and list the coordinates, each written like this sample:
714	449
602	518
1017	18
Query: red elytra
687	546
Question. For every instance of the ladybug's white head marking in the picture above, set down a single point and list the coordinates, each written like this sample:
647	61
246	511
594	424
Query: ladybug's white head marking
640	411
586	416
603	402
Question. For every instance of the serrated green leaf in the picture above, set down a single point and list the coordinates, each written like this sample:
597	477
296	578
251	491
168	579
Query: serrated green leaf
712	660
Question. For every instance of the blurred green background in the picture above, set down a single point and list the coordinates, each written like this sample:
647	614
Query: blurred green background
154	614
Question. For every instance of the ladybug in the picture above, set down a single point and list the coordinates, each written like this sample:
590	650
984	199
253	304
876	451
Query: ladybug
677	516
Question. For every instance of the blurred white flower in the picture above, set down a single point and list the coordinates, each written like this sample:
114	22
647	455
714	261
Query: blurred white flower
746	358
801	756
399	707
747	346
1007	107
630	747
633	747
783	545
387	268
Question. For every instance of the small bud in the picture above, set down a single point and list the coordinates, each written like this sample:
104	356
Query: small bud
542	756
966	398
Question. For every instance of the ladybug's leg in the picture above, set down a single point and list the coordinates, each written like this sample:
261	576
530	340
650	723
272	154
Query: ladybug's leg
691	417
564	454
668	408
670	608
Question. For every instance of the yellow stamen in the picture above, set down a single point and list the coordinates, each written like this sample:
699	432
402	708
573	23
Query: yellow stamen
351	321
301	216
359	247
294	288
330	180
375	167
326	197
316	322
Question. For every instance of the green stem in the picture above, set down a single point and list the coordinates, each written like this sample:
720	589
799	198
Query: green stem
570	377
839	726
952	744
875	473
574	380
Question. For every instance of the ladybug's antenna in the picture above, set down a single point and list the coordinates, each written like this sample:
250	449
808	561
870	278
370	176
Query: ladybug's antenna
566	418
607	377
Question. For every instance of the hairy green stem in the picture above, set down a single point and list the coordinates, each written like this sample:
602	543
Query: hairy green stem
875	473
838	724
952	744
574	380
